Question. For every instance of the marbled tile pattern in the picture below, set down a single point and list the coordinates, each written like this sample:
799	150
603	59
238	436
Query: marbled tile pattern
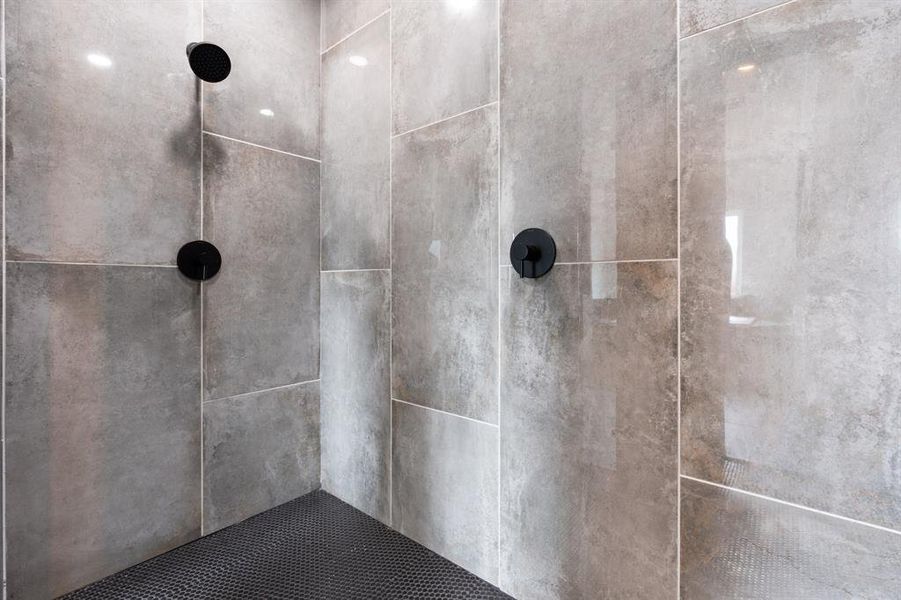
445	486
588	432
588	127
444	187
356	389
444	59
261	312
356	122
340	18
274	49
739	546
259	450
102	421
698	15
791	307
97	172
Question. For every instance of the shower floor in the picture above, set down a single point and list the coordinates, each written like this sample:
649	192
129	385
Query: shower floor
313	547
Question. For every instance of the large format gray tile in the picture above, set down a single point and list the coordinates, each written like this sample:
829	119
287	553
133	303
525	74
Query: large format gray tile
791	306
588	432
259	450
103	159
588	126
356	389
261	312
274	50
739	546
340	18
698	15
102	421
444	189
356	146
444	59
445	486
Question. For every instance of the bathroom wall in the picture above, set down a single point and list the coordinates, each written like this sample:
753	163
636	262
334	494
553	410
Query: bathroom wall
529	430
791	343
140	410
739	308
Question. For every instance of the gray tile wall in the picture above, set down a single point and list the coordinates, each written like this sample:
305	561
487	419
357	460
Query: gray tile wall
444	482
790	302
261	209
444	194
341	18
356	254
356	150
588	131
356	409
261	313
739	546
103	428
259	450
79	188
102	421
274	47
588	431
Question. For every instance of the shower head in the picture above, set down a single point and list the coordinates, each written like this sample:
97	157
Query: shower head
208	61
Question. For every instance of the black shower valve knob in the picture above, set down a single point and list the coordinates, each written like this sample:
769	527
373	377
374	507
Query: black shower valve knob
533	253
199	260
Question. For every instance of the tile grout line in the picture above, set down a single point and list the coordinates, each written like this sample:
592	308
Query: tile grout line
262	391
442	120
352	270
603	262
202	475
3	288
351	34
734	21
390	266
444	412
678	304
792	504
262	147
497	282
89	264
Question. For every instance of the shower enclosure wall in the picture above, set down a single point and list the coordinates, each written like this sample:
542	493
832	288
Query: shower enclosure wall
700	400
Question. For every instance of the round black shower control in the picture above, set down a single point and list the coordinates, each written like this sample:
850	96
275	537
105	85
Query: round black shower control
533	253
199	260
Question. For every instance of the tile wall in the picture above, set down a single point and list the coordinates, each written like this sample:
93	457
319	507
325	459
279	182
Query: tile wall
140	411
740	307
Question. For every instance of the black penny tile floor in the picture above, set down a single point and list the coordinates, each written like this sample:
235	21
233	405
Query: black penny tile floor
313	547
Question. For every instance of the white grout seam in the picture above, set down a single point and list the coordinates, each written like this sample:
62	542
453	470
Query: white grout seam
355	31
88	264
3	524
733	21
792	504
444	412
254	392
439	121
353	270
391	269
231	139
678	564
499	371
202	379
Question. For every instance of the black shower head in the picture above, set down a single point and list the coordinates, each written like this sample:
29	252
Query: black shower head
209	62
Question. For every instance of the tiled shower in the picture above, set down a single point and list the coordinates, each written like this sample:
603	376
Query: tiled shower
701	400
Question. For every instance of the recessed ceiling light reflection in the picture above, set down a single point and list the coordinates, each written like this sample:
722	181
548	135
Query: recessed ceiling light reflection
747	68
99	60
358	61
266	112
